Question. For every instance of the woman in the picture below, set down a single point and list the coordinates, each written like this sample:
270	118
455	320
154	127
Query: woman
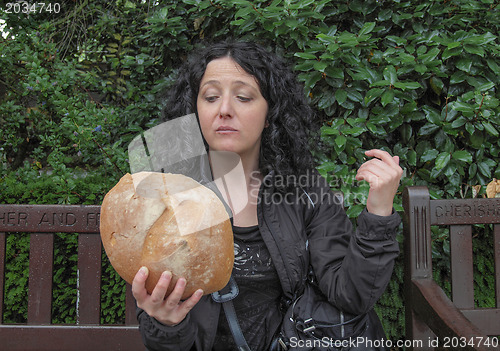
248	103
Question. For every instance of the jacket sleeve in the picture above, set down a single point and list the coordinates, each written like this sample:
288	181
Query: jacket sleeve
353	268
159	337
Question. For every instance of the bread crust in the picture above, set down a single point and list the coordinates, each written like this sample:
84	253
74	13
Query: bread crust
167	222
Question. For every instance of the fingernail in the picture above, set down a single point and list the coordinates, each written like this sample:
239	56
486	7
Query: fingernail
166	275
182	282
198	293
144	270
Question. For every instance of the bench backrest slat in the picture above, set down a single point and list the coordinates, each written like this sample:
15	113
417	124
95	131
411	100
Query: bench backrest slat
40	278
462	278
3	240
130	306
89	279
496	238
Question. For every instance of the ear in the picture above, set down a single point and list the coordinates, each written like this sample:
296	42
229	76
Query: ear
267	124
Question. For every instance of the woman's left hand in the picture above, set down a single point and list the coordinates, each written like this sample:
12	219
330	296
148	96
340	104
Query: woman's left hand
383	173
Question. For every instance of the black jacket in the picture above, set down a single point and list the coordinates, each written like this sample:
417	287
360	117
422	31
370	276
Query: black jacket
307	226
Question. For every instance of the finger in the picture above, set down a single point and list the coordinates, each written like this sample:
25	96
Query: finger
158	293
139	284
188	305
382	155
175	296
379	168
368	176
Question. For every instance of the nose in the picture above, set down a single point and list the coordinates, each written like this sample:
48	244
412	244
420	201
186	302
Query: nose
226	109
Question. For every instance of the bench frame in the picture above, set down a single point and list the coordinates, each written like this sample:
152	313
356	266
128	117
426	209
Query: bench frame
428	310
43	221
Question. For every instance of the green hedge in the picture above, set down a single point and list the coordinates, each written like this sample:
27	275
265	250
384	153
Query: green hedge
416	78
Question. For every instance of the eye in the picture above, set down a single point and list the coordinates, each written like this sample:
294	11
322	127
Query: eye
211	98
243	98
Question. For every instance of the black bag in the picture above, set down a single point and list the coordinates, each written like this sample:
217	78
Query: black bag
312	323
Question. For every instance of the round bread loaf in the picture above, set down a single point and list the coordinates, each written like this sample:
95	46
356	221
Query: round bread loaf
167	222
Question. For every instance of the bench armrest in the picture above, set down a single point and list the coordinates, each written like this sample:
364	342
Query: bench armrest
440	314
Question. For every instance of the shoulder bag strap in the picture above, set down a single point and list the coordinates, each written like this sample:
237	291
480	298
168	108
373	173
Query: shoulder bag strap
225	297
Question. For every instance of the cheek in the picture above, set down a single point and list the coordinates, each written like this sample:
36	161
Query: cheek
203	117
205	126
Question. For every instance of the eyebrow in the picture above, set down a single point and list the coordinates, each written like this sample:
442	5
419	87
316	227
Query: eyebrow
236	82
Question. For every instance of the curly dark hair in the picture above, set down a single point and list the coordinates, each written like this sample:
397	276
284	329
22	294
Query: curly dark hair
286	143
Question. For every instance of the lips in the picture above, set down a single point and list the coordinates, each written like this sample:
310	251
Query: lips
225	129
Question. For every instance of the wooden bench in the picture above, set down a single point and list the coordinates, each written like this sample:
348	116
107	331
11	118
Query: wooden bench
429	311
42	222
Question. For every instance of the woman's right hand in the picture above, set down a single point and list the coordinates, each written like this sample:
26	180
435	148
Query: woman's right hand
169	310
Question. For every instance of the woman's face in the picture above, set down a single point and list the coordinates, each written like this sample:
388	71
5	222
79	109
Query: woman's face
231	108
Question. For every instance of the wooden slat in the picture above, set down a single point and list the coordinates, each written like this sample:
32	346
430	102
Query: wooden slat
89	279
130	307
2	272
462	278
496	248
40	278
486	319
74	338
50	218
465	211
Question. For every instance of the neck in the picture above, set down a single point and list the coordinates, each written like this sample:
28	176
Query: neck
238	180
233	167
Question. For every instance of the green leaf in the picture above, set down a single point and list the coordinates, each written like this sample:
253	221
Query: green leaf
493	65
390	74
334	72
367	28
490	128
326	101
447	53
462	107
320	66
469	127
484	169
341	141
372	94
341	96
305	66
427	129
407	85
387	97
429	155
442	160
420	68
306	55
457	77
462	155
411	156
464	64
472	170
354	211
325	130
436	85
354	95
381	83
485	86
429	56
474	49
347	40
460	121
